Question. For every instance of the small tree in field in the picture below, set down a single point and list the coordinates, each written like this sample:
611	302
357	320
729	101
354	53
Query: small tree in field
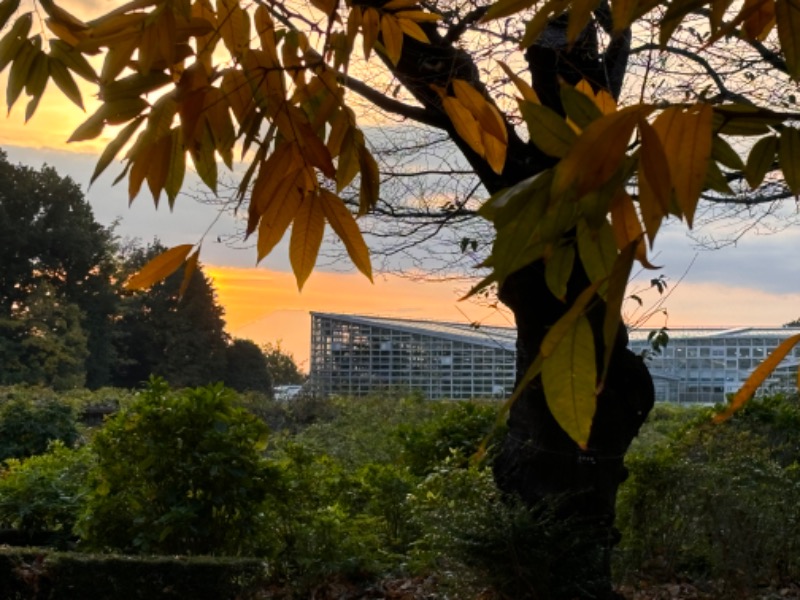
588	123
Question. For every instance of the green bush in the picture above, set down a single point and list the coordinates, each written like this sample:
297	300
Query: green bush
31	419
716	502
178	473
44	493
40	575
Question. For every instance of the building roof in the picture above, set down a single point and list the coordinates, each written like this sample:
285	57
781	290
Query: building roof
503	338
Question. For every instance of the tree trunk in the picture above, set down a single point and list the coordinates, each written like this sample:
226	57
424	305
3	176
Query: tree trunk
545	468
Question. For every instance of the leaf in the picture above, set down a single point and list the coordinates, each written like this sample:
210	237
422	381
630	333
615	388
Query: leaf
757	377
686	138
584	168
411	29
615	295
63	79
569	379
579	107
188	272
787	15
528	93
722	152
36	82
177	167
114	146
20	69
328	7
760	18
597	250
760	160
481	109
234	26
464	123
547	129
622	13
7	8
344	225
392	36
159	268
558	268
655	179
370	26
624	221
506	8
279	213
73	60
307	231
370	181
789	158
12	42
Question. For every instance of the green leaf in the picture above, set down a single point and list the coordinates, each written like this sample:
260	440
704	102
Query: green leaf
789	158
760	160
558	269
722	152
569	379
787	17
597	250
12	42
72	59
114	146
63	79
7	8
547	129
578	106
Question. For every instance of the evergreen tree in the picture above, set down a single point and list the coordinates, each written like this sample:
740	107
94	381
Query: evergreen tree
247	368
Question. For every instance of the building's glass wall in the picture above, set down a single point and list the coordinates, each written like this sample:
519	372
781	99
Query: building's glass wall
351	358
705	368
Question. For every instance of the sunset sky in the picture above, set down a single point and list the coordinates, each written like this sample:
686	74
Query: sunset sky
753	282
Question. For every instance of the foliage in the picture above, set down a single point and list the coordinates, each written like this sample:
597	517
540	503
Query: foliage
716	503
30	575
56	294
556	200
45	493
246	368
282	366
454	429
29	424
178	473
169	331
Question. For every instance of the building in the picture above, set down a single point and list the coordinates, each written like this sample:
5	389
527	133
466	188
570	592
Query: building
704	365
357	355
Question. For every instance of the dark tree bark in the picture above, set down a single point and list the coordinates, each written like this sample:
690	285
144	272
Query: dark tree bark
538	462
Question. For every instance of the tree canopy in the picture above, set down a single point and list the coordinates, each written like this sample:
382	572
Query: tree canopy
185	79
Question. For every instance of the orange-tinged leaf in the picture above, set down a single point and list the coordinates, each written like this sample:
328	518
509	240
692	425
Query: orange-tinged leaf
370	27
188	272
760	18
279	214
140	165
584	168
625	221
177	167
307	231
484	112
569	379
328	7
159	268
392	36
685	135
345	226
495	150
464	123
158	170
418	15
757	377
787	14
622	12
654	171
411	29
234	24
789	157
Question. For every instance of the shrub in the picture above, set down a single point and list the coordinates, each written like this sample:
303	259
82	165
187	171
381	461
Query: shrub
716	502
31	419
178	473
44	493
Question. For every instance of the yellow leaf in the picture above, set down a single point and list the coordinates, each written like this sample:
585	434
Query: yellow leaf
495	151
234	25
392	36
279	213
188	272
328	7
569	379
418	15
787	14
482	110
597	250
584	168
506	8
624	220
602	99
159	267
622	12
307	231
558	268
411	29
528	93
685	135
789	157
465	124
399	4
344	225
370	26
757	377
